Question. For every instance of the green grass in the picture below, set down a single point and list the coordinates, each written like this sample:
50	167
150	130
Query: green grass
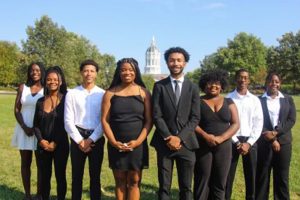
11	184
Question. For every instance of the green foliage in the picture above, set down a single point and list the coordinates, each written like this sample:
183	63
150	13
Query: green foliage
9	61
194	76
53	45
149	81
285	58
244	51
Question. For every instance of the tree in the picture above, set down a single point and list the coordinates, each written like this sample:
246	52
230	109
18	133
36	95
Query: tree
53	45
285	58
244	51
10	56
149	81
194	76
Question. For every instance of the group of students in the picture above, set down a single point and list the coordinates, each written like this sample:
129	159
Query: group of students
203	136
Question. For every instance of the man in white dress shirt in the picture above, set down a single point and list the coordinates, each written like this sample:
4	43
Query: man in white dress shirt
244	141
82	122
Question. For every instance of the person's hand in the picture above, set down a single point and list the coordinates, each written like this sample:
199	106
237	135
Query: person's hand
51	146
219	139
244	148
122	147
44	144
269	135
211	140
28	131
132	144
173	142
276	146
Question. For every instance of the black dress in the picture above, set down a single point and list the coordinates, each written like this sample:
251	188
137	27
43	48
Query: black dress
127	122
212	163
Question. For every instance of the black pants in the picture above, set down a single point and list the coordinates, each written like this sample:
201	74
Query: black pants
249	167
78	158
60	158
280	162
211	171
185	161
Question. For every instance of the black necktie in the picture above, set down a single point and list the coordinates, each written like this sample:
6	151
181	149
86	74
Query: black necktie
177	91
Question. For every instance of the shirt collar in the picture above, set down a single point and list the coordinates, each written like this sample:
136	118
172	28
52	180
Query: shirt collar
280	95
181	79
241	96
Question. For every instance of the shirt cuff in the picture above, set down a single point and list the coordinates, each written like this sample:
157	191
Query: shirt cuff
251	141
234	139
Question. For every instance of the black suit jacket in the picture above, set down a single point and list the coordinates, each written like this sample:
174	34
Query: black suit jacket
286	121
170	119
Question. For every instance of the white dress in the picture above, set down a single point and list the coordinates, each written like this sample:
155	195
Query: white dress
20	140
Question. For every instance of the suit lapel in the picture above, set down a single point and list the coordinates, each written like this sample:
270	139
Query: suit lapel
266	111
183	94
170	92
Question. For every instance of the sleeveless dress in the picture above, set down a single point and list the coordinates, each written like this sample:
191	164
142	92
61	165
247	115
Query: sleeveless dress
126	122
20	140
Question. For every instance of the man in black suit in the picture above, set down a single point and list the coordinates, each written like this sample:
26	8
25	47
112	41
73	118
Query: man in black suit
176	112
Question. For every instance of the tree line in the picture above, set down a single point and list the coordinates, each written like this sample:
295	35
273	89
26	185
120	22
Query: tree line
249	52
52	44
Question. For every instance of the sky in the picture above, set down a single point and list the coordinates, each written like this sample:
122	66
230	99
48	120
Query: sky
124	28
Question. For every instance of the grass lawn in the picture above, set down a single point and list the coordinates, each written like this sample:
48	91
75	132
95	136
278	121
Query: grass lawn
11	184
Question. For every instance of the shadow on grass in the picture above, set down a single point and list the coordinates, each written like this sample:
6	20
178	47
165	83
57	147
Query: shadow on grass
10	193
148	192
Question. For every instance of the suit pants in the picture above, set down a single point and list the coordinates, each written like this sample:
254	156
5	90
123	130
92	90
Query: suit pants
249	167
78	158
185	160
280	162
60	158
211	170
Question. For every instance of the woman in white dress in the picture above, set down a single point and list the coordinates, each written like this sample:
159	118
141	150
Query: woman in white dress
24	138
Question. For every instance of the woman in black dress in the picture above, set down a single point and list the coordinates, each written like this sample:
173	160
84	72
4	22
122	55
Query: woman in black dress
52	138
274	147
126	120
218	122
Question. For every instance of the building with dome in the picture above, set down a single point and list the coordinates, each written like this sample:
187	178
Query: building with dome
152	59
152	66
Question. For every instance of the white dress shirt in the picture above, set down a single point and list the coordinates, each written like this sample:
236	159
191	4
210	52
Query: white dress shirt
83	109
179	81
273	107
250	116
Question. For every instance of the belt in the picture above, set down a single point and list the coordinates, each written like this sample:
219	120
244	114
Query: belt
85	133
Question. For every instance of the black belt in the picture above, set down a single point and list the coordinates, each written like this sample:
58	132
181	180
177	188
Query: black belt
85	133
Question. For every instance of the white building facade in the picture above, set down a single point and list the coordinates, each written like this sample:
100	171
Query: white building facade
152	59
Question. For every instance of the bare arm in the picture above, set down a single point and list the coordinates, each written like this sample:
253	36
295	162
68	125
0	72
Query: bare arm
147	121
18	114
234	125
105	123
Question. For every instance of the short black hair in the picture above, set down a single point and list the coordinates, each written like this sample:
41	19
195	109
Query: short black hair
135	65
29	81
58	70
237	73
214	75
177	50
89	62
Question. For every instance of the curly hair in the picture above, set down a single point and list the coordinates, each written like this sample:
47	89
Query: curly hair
57	70
212	76
270	75
177	50
117	75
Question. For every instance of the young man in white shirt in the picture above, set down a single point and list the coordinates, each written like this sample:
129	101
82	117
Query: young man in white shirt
244	141
82	122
